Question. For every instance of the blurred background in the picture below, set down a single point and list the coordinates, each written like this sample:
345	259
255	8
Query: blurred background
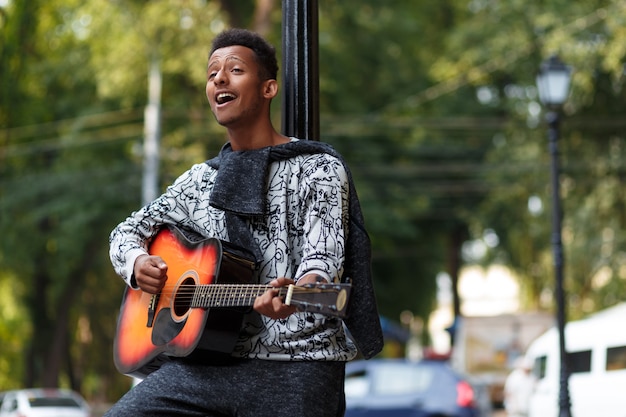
434	105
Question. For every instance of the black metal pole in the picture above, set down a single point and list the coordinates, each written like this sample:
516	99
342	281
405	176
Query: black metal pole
300	69
552	118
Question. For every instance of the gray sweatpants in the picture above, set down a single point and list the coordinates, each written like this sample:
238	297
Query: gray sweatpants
243	388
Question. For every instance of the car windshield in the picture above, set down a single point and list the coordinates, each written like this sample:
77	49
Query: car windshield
391	379
396	380
53	402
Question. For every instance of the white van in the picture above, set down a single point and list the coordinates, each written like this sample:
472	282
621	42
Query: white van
596	352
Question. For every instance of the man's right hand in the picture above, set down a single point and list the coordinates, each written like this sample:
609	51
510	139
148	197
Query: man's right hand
150	273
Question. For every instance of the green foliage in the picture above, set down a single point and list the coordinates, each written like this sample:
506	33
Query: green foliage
481	56
14	329
432	103
374	62
65	184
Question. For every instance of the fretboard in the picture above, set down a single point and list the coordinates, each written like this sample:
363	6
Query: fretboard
229	295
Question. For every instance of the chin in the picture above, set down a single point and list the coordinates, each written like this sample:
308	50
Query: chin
228	123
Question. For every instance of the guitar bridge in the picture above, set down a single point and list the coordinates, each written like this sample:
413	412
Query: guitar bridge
154	300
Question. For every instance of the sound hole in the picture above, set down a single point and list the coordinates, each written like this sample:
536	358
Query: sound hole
184	296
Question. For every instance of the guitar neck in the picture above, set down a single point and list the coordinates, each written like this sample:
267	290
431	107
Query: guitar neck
329	299
228	295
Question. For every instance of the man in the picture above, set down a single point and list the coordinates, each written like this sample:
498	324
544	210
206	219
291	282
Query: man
293	204
518	388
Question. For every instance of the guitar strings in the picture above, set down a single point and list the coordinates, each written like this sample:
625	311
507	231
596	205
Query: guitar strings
230	295
192	295
234	290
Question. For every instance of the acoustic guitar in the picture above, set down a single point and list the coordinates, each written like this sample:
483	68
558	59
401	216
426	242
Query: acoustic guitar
209	289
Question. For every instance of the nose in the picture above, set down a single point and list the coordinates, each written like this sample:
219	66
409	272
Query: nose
220	77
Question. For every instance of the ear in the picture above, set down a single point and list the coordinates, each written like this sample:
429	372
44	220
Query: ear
270	89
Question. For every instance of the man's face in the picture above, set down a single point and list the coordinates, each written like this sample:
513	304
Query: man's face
233	87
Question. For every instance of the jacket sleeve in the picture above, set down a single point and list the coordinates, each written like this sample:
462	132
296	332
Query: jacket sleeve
363	320
131	238
324	211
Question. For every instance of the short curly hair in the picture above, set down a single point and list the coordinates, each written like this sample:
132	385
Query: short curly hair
264	51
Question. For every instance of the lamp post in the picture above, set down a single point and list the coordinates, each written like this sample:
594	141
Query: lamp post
553	84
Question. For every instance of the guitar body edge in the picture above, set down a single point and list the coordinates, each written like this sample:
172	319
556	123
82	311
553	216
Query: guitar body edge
142	344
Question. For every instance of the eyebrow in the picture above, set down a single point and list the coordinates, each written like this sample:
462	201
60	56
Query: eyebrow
227	59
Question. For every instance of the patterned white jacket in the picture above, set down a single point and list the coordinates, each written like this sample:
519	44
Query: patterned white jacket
303	229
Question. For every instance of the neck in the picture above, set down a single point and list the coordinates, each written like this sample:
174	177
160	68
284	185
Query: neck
255	137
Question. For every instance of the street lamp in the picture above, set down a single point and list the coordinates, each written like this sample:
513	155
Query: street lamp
553	84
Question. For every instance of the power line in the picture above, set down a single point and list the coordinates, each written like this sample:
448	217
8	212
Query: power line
497	63
85	139
95	120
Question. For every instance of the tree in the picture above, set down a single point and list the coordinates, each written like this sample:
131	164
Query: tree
502	66
432	104
416	193
66	183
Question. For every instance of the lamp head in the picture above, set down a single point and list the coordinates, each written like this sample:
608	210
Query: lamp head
553	82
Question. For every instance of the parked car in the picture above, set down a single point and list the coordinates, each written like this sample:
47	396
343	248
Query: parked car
39	402
402	388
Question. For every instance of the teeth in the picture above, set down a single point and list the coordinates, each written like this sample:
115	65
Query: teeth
224	97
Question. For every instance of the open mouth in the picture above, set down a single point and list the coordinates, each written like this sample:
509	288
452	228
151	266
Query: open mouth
222	98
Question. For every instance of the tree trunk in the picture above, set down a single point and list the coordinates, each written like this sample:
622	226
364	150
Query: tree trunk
262	13
455	243
261	17
37	302
41	338
58	352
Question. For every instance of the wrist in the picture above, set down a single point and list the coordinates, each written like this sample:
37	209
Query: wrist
312	278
